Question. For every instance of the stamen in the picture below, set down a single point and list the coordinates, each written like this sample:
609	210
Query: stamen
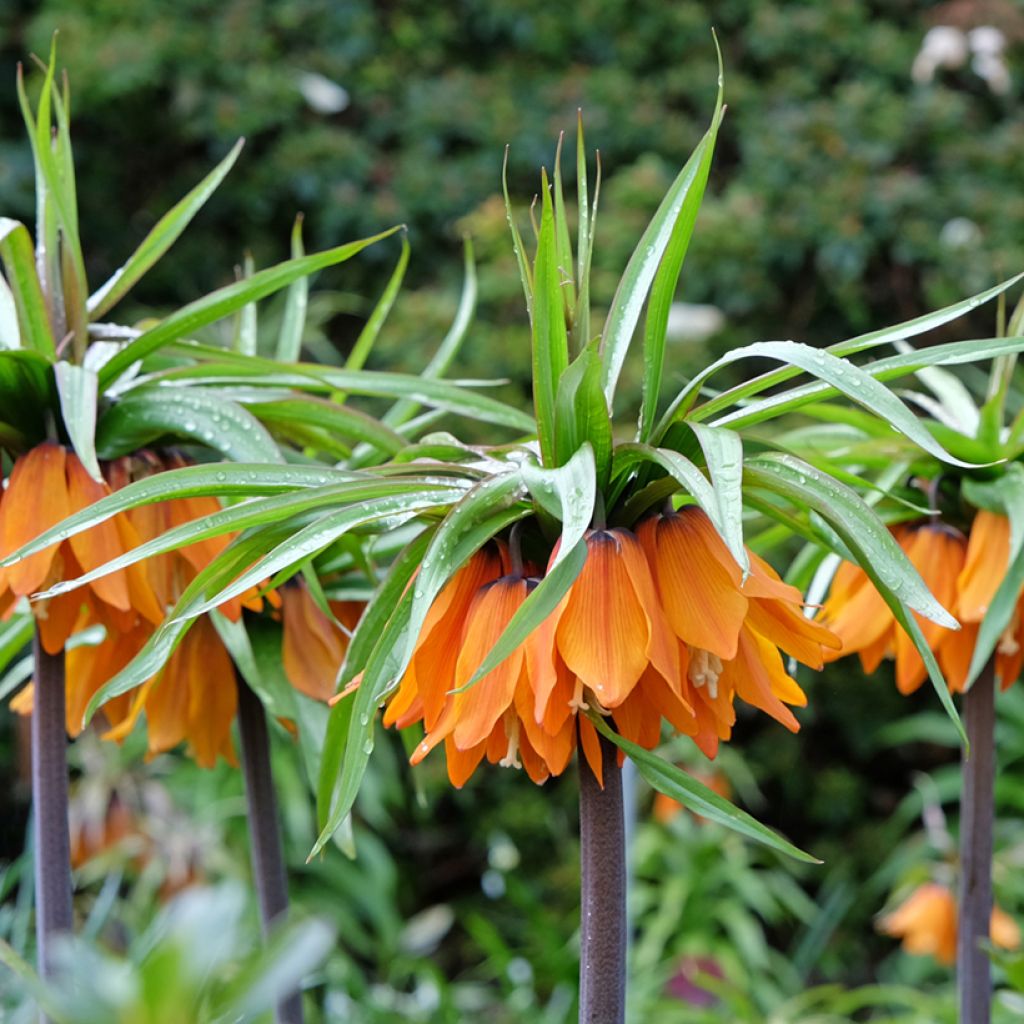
511	758
577	703
1008	643
705	668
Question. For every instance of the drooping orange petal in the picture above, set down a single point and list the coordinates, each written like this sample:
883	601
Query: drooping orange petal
462	763
99	544
750	674
312	646
698	580
57	617
88	668
212	692
479	708
637	720
662	647
440	640
669	704
36	499
855	612
603	634
955	653
988	557
765	582
784	625
926	922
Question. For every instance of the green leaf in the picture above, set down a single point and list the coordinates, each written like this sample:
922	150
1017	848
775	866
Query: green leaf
402	410
517	242
684	788
581	414
337	419
550	339
311	377
871	544
563	244
666	281
318	535
20	267
27	394
371	330
584	241
858	385
672	224
293	323
890	368
723	453
862	343
76	389
257	512
10	332
145	414
221	480
227	300
163	235
247	319
1004	495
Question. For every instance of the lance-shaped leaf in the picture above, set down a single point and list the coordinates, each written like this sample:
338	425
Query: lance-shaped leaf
163	235
27	394
685	789
371	329
228	300
76	389
862	343
525	274
856	384
672	224
871	544
448	395
312	539
339	420
723	453
293	322
956	353
221	480
401	411
148	413
581	414
19	261
292	505
550	338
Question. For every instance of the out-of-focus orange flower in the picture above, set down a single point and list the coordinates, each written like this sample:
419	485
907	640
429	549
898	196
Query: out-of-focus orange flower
47	485
94	835
193	698
314	646
659	625
963	573
926	922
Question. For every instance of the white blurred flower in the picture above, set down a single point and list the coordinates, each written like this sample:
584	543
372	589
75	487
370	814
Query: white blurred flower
988	43
323	95
959	233
942	47
688	321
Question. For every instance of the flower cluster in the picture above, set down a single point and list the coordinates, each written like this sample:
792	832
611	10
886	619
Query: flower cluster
193	697
963	573
660	624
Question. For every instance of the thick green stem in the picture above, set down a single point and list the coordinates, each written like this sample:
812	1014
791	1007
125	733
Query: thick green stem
264	828
50	804
602	893
974	978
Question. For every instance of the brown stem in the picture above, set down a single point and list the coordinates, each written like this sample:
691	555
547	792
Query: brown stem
974	978
264	829
602	893
50	804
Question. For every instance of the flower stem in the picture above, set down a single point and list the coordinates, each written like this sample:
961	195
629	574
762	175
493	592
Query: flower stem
264	829
50	804
976	816
602	893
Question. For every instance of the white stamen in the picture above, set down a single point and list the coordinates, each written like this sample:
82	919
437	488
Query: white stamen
705	668
577	703
511	758
1008	643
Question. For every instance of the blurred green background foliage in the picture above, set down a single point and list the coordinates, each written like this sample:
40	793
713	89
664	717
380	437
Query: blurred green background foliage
845	194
